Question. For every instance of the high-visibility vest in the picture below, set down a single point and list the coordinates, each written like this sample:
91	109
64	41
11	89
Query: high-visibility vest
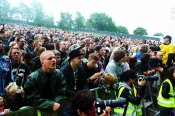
170	102
132	110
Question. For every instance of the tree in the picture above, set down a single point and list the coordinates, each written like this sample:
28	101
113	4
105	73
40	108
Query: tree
25	11
140	31
158	34
16	14
4	10
122	29
79	21
66	21
49	21
38	13
101	21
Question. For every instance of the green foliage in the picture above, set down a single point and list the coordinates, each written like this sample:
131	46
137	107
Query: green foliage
35	13
16	13
140	31
101	21
158	34
79	21
122	29
4	10
38	13
25	11
49	21
66	21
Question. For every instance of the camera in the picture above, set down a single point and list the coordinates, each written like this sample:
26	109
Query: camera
101	104
18	80
148	78
103	86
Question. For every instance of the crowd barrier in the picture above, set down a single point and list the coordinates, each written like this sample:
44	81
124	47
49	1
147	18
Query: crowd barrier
31	111
99	93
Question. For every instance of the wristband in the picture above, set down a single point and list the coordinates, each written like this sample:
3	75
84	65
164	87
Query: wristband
18	90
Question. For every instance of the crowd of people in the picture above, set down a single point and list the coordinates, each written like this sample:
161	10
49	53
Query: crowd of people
40	67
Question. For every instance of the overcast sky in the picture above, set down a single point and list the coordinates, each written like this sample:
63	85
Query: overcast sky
153	15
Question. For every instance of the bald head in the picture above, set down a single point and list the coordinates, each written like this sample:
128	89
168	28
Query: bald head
159	55
44	55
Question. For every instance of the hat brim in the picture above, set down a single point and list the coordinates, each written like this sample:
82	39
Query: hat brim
75	56
78	48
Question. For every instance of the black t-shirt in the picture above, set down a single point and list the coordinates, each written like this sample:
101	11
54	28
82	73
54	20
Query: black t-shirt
21	68
90	72
34	54
47	88
154	62
63	56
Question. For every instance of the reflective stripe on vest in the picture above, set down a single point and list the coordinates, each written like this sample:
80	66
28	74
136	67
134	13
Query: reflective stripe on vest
131	109
170	102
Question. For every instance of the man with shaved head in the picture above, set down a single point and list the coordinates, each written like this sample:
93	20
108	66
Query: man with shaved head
45	87
156	64
62	50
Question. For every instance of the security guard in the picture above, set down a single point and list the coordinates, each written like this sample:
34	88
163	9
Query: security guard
168	49
132	94
166	97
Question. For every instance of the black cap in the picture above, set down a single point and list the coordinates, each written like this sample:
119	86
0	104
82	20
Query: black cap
168	37
74	53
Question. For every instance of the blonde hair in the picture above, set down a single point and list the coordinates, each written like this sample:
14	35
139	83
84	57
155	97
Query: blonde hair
10	51
13	43
11	89
109	79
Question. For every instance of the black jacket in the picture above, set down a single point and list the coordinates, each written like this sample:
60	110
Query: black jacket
131	98
81	83
165	90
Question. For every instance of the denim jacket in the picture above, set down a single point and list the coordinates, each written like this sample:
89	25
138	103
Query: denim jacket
5	73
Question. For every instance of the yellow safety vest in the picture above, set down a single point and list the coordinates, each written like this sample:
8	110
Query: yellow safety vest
132	110
168	103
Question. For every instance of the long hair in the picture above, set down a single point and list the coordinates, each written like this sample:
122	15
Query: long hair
169	75
144	61
132	62
11	89
2	52
10	51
